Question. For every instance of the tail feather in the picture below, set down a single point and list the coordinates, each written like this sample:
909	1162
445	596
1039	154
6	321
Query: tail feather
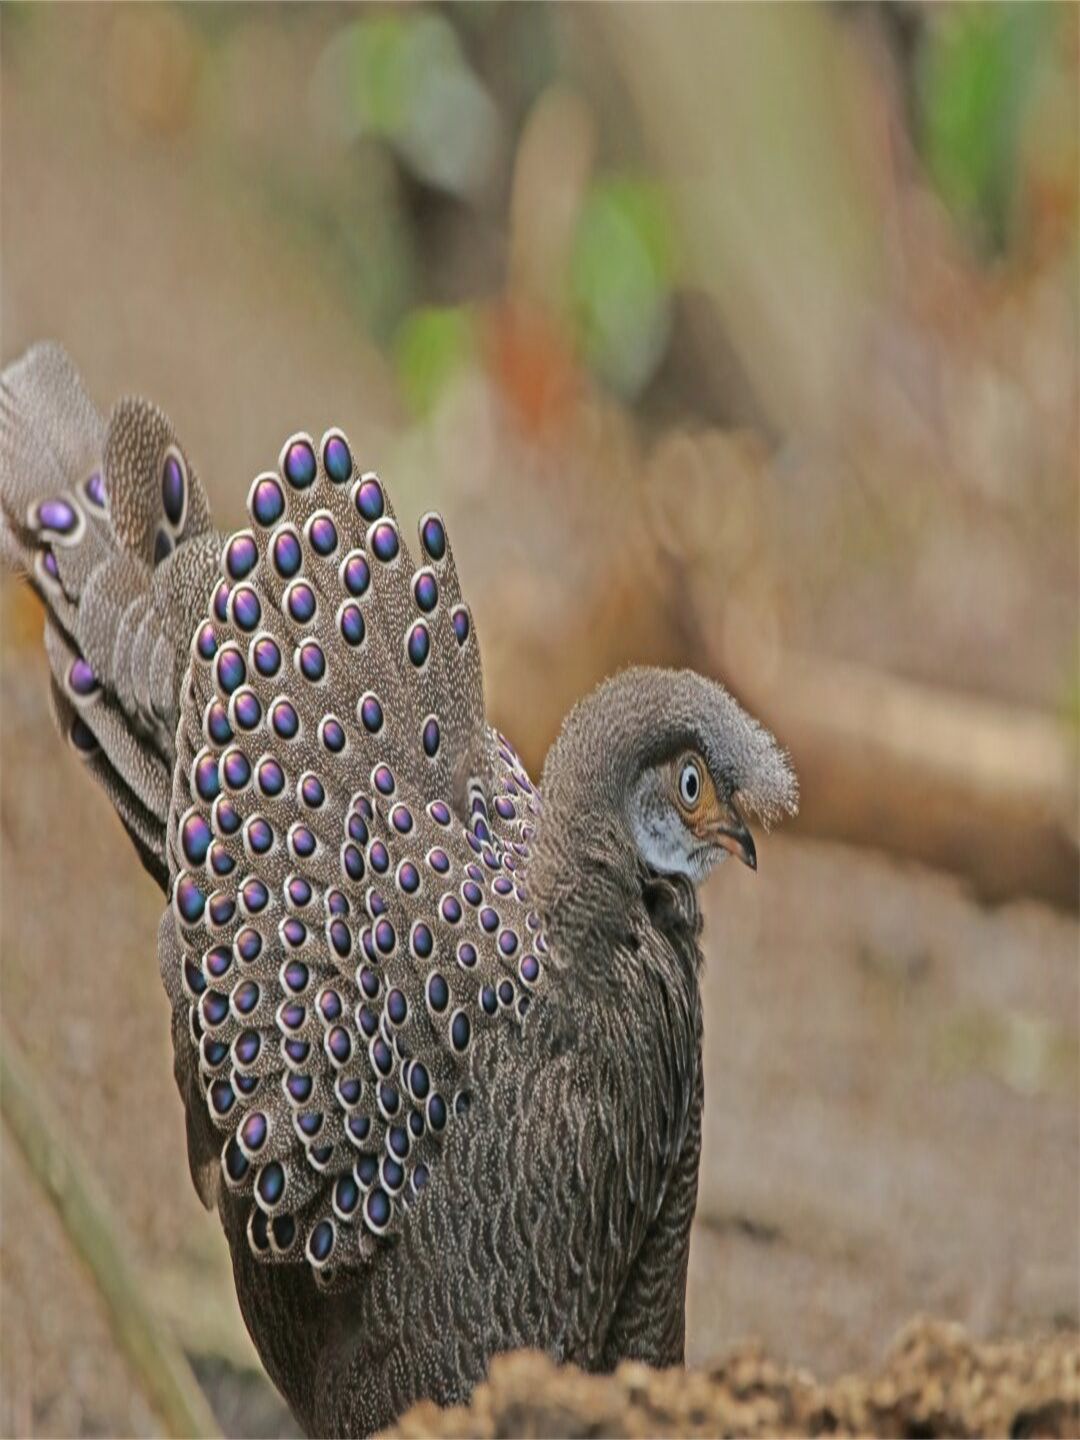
142	826
471	753
112	528
51	434
110	607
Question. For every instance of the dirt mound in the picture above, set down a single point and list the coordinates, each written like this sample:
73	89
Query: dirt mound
934	1381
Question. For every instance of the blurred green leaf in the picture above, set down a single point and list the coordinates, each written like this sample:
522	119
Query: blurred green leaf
621	274
978	67
432	347
401	76
380	82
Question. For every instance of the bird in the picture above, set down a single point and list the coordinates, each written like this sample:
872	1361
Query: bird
437	1029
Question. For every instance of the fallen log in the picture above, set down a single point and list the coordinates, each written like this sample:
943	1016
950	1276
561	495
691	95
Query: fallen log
962	783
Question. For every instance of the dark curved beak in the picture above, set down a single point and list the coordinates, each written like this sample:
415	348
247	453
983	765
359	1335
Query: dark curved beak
729	831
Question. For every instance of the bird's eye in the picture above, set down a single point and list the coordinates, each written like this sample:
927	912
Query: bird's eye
690	784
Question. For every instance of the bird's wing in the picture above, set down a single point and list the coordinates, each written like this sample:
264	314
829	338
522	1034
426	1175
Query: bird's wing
112	527
347	841
558	1217
649	1321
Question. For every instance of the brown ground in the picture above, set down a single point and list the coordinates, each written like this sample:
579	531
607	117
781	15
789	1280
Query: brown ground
892	1112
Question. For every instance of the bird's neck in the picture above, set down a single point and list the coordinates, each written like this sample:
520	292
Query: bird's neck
583	882
585	877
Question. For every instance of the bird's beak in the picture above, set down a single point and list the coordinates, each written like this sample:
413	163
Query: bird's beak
727	828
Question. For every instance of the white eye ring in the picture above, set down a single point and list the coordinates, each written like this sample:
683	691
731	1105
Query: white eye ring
690	784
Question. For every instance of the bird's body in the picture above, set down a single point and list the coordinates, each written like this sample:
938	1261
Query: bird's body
485	1265
438	1040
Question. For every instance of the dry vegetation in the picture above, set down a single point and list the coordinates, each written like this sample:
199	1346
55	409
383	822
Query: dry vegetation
934	1382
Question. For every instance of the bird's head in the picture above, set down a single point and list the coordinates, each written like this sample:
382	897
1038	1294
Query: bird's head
685	818
658	769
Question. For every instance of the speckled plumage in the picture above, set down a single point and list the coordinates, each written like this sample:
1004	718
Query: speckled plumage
438	1042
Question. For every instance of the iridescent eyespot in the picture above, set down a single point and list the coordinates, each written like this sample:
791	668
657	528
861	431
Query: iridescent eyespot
310	661
216	723
298	462
332	734
241	555
384	541
355	573
460	1031
311	790
266	501
190	900
174	489
433	536
300	602
460	620
336	458
284	719
231	669
368	497
259	835
56	515
94	490
425	591
288	557
271	777
351	624
206	642
195	838
371	714
418	644
266	656
246	610
322	534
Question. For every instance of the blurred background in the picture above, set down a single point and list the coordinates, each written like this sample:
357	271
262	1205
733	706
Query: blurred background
737	337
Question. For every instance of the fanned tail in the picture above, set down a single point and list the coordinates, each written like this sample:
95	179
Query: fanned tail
347	911
112	528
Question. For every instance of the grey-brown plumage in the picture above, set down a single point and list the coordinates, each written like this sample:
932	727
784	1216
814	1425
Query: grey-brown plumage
439	1044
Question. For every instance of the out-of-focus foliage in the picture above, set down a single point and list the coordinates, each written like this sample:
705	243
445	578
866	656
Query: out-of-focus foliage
433	345
995	83
621	275
400	75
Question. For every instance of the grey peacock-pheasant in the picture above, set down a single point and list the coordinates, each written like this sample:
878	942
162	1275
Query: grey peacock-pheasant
437	1031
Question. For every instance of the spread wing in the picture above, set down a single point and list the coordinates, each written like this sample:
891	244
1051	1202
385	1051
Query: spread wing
347	847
